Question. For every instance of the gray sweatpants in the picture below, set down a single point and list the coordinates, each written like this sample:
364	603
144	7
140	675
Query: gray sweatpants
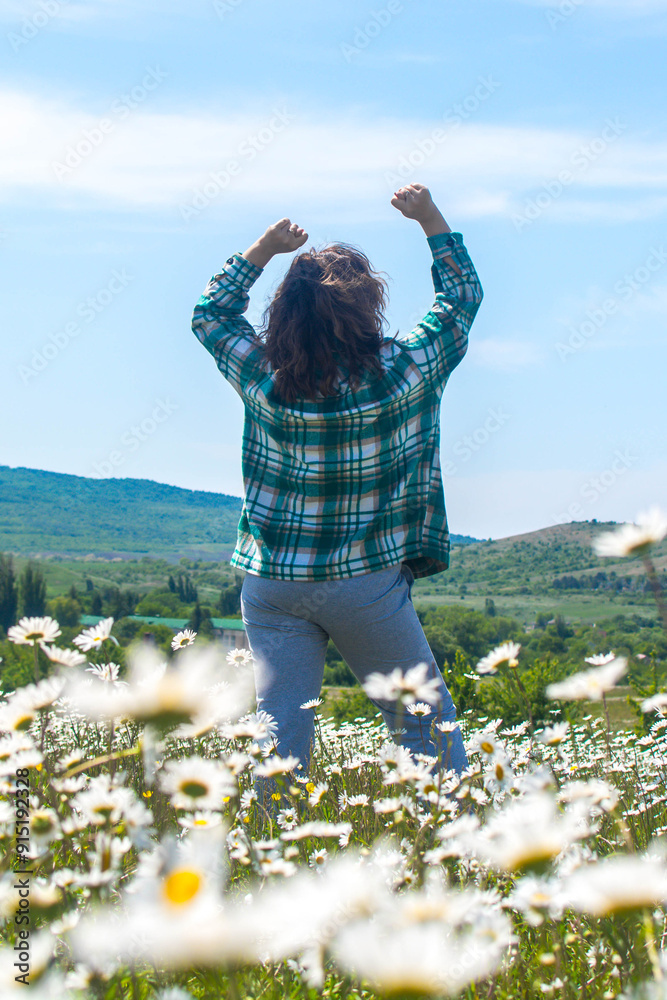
373	624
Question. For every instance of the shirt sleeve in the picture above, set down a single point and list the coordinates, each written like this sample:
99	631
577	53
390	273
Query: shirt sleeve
219	324
439	342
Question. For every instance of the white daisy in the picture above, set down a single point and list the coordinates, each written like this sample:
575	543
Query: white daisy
92	638
197	783
553	735
447	727
317	829
600	659
506	653
615	884
318	791
287	819
239	657
313	703
199	819
406	687
633	539
276	765
589	685
65	657
107	672
420	709
184	638
318	859
34	631
657	703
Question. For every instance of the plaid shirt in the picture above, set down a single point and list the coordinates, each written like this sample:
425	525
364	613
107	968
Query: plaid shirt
351	483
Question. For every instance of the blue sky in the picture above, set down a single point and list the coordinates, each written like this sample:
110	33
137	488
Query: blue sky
538	126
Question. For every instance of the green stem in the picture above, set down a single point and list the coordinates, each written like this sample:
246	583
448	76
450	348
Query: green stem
133	751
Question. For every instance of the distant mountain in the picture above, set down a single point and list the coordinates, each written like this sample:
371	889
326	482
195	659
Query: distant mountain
44	513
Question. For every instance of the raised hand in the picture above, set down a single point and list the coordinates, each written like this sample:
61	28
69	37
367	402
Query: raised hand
414	201
282	237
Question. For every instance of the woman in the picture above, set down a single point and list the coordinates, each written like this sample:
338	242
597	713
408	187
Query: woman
344	504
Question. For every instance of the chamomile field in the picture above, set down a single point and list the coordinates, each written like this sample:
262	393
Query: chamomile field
156	844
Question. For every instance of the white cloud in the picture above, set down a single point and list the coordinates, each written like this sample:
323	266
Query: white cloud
154	159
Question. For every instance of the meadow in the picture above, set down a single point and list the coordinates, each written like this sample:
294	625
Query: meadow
155	845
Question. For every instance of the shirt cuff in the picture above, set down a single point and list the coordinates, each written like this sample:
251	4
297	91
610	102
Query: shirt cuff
443	244
241	270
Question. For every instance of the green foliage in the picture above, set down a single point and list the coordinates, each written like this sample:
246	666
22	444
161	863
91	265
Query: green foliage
473	633
8	592
127	631
32	591
350	705
229	602
463	686
65	610
338	674
16	667
162	603
501	698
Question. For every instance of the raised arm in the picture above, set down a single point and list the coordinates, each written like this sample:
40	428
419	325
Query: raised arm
415	202
440	341
218	321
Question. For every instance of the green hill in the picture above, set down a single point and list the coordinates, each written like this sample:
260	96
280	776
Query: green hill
46	513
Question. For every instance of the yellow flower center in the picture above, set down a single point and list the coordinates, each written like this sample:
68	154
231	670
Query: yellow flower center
182	886
194	789
41	824
486	746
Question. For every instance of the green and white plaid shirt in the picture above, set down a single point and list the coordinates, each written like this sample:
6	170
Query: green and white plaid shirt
346	484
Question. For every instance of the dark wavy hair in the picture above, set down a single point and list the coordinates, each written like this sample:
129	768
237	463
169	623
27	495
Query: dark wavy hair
328	311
